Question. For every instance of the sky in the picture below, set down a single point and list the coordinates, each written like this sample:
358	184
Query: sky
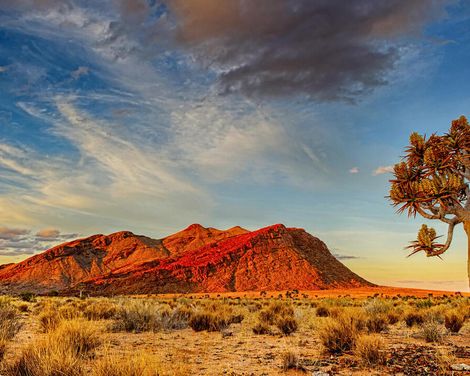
149	115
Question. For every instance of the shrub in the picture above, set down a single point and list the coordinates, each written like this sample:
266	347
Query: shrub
393	318
339	334
376	323
454	320
287	325
136	316
413	318
290	360
322	311
275	310
28	297
261	328
208	321
176	319
370	349
377	307
49	319
432	331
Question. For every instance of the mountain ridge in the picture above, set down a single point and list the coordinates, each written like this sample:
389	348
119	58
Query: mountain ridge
195	259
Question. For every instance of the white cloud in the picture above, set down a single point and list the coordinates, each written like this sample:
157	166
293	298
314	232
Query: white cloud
382	170
354	170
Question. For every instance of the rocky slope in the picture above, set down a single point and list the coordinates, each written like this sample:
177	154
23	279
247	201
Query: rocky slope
197	259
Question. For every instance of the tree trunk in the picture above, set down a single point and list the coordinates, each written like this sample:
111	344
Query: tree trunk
466	226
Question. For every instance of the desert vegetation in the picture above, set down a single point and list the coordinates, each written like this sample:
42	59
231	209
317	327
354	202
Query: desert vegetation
265	334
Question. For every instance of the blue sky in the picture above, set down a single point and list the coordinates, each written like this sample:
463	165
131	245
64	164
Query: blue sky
149	116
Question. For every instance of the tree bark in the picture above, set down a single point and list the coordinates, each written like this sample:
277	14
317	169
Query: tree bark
466	226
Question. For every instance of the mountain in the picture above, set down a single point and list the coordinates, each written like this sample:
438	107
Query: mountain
196	259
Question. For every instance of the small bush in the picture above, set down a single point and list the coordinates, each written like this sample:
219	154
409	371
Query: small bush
261	328
322	311
208	321
49	319
454	321
136	316
339	334
290	360
370	349
377	307
393	318
413	318
432	331
274	311
376	323
28	297
287	325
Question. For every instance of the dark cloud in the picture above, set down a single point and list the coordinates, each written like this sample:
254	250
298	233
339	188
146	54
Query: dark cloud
8	233
323	49
15	242
326	49
345	257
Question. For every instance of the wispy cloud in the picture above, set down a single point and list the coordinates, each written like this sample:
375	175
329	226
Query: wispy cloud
382	170
354	170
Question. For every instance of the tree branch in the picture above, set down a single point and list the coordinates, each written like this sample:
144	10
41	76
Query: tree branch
450	234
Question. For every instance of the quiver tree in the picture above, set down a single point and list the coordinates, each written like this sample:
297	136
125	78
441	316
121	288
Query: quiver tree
433	181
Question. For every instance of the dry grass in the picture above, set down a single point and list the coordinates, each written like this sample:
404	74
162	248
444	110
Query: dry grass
370	349
10	322
153	336
432	331
339	334
454	320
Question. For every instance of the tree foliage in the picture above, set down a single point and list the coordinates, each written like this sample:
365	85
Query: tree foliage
432	181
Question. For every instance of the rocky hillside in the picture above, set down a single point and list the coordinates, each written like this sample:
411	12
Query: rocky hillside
196	259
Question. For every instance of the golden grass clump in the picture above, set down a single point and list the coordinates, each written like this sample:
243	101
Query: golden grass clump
124	366
136	316
60	353
45	358
377	323
10	322
339	334
281	315
369	348
79	336
214	317
101	309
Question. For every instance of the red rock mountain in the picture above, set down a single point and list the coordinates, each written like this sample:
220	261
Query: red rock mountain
196	259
